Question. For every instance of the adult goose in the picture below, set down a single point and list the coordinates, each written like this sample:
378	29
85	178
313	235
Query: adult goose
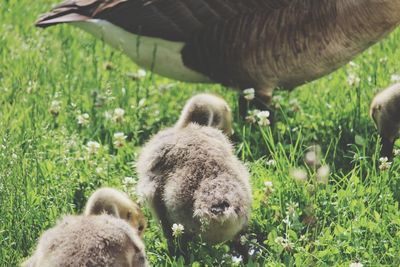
262	44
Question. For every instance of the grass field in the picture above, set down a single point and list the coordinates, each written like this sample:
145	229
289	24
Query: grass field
46	169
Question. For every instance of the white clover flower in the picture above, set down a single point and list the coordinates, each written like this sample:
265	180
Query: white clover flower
92	147
280	240
396	152
237	259
119	139
252	116
385	164
277	100
100	171
353	80
108	115
294	105
118	115
356	264
271	163
299	175
177	230
269	187
249	94
323	174
395	78
353	64
263	118
83	119
55	107
141	73
291	208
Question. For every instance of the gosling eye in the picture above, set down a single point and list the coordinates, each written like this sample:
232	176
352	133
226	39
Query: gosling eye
129	215
141	228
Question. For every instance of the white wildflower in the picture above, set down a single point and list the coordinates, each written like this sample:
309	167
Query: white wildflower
323	174
271	163
119	139
395	78
83	119
385	164
237	259
263	118
294	105
55	107
277	100
177	229
269	187
291	208
141	73
92	147
396	152
356	264
280	240
312	159
353	80
118	115
249	94
299	174
252	116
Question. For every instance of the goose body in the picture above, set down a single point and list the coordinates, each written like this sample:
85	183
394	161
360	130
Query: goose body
240	43
385	111
189	175
89	241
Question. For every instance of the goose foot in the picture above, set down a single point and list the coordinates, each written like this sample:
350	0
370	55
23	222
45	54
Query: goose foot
241	249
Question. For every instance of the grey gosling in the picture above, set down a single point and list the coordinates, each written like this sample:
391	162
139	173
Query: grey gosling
116	203
385	111
207	110
103	241
189	175
261	44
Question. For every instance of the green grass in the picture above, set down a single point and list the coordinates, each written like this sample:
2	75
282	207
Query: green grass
45	170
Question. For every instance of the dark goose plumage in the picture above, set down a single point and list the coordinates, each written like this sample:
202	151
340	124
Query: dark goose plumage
244	43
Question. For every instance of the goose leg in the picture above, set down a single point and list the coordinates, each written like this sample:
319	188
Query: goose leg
241	249
387	148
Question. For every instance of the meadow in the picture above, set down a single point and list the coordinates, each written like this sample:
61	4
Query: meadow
62	94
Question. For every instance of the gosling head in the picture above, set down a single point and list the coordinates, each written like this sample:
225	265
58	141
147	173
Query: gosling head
385	111
118	204
207	110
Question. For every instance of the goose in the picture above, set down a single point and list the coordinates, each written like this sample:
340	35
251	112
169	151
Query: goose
101	240
262	44
190	176
208	110
385	111
116	203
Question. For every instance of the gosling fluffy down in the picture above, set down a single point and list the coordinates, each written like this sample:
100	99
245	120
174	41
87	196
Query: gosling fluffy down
89	241
385	111
116	203
207	110
190	176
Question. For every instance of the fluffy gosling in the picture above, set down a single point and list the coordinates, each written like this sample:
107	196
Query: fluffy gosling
189	175
385	111
116	203
207	110
89	241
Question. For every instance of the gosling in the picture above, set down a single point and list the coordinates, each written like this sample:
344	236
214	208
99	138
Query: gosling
116	203
89	241
385	111
189	175
207	110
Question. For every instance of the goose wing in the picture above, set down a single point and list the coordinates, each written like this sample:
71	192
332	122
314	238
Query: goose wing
173	20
